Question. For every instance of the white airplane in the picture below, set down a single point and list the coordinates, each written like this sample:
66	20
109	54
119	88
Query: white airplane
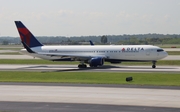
92	55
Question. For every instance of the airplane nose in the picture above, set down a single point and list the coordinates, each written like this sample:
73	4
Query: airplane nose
165	54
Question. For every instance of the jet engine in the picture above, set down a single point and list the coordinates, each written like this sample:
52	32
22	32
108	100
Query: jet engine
97	61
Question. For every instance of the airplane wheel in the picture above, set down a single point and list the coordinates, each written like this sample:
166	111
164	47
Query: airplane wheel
79	66
153	66
92	65
82	66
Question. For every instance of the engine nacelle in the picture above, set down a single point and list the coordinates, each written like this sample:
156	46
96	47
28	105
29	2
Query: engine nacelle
97	61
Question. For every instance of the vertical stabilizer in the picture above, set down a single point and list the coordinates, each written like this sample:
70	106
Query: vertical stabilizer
26	36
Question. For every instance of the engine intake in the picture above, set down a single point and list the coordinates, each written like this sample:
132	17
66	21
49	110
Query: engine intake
97	61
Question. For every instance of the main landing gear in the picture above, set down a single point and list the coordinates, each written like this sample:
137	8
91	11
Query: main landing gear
92	65
154	64
82	65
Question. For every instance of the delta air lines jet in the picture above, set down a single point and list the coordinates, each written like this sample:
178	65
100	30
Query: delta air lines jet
92	55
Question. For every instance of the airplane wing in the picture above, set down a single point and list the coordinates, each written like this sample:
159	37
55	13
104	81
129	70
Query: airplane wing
84	56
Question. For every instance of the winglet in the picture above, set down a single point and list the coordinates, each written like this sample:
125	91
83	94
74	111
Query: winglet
26	36
91	42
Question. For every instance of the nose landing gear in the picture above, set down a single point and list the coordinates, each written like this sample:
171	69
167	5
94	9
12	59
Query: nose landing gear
154	64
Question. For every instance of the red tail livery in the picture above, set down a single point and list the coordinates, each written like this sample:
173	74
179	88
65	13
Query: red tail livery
27	37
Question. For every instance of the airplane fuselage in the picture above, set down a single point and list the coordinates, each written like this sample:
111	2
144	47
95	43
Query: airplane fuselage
112	52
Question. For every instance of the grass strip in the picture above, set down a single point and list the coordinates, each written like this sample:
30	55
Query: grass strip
173	52
165	79
10	48
10	53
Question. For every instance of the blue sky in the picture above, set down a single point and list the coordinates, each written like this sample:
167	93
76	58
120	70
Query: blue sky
90	17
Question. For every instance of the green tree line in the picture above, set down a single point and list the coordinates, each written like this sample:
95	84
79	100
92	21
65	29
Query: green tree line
103	39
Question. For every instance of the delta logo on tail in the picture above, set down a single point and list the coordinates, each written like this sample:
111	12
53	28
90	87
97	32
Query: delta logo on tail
26	36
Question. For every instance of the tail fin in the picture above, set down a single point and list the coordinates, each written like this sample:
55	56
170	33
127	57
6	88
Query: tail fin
27	37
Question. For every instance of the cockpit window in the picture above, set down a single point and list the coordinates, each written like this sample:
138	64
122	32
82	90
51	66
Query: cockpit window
160	50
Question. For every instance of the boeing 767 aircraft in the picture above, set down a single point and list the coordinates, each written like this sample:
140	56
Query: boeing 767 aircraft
93	55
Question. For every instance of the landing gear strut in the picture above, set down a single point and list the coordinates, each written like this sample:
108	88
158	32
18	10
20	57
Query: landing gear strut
154	64
82	65
92	65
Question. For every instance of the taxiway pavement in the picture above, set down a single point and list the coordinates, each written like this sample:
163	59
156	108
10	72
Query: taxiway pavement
91	95
74	68
90	98
75	107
